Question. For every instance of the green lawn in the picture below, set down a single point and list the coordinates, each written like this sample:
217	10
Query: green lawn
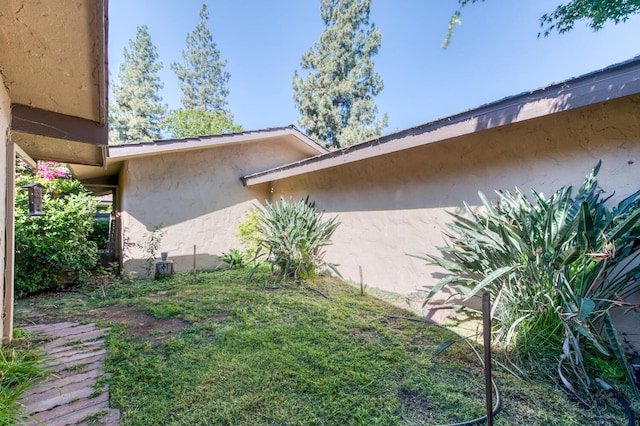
218	349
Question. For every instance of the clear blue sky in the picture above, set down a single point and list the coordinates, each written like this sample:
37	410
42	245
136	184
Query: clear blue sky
494	53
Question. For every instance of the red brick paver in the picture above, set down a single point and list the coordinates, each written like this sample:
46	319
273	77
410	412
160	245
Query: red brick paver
75	353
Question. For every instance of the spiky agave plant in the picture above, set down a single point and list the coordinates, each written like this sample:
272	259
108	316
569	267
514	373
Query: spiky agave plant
557	268
293	236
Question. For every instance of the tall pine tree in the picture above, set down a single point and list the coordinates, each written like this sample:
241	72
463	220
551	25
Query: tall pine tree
336	99
202	77
137	108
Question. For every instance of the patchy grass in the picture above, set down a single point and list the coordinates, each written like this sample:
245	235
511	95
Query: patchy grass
18	373
237	352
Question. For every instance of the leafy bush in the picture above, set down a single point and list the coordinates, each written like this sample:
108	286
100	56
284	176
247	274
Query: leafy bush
292	237
100	233
556	268
248	231
53	249
234	258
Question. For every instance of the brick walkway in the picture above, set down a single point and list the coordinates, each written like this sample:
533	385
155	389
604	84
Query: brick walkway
75	353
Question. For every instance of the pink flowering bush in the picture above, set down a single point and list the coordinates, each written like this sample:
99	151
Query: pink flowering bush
52	250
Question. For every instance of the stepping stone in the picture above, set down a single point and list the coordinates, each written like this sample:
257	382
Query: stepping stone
75	353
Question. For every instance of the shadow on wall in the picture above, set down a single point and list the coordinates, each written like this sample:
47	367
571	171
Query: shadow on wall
544	153
180	263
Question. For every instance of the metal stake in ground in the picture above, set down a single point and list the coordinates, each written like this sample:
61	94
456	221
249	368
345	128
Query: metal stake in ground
486	331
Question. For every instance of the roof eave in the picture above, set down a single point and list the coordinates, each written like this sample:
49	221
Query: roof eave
610	83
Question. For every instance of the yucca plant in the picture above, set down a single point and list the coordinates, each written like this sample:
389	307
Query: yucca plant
293	236
556	268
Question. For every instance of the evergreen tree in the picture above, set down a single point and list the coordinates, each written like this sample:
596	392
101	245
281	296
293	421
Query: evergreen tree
137	108
335	99
185	123
202	77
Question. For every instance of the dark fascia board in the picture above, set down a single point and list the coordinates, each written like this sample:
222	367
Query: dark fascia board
50	124
610	83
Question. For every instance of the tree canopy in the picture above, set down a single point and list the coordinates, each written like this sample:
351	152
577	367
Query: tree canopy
596	13
185	123
201	77
336	96
137	108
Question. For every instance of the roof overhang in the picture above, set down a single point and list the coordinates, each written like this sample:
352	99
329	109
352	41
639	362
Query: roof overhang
96	177
613	82
54	65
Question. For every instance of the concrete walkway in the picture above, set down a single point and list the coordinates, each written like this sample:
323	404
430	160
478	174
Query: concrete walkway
75	354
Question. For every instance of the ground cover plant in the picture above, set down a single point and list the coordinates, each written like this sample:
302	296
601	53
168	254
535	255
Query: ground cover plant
18	372
215	348
557	268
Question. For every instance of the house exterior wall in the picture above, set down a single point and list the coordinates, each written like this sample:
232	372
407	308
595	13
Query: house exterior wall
397	204
6	203
198	198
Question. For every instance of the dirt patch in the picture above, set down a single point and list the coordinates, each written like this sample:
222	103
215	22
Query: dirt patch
415	405
139	322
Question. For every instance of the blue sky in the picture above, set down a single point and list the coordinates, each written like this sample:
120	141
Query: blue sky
494	53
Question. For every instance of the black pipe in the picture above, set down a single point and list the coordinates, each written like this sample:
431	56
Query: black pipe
627	408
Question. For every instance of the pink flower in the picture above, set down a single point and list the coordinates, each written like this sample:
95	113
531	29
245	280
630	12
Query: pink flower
46	174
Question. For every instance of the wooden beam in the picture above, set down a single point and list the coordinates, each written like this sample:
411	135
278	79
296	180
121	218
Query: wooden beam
24	156
59	126
7	308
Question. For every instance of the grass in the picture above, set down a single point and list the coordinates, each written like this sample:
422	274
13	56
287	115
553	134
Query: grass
262	352
18	373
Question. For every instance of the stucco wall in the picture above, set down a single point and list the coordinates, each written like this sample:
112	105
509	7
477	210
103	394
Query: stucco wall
5	118
397	204
198	198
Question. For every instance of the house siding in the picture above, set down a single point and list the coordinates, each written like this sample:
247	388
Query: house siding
397	204
196	196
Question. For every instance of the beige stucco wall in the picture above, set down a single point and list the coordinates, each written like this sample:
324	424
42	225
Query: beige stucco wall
397	204
198	198
5	186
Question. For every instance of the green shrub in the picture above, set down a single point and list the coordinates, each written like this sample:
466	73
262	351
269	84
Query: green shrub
234	258
248	231
53	249
100	233
556	268
292	237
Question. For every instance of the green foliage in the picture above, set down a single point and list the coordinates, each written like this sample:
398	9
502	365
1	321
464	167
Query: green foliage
53	249
596	12
336	97
137	108
150	247
19	372
234	258
556	268
293	235
219	351
100	233
201	77
184	123
248	231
